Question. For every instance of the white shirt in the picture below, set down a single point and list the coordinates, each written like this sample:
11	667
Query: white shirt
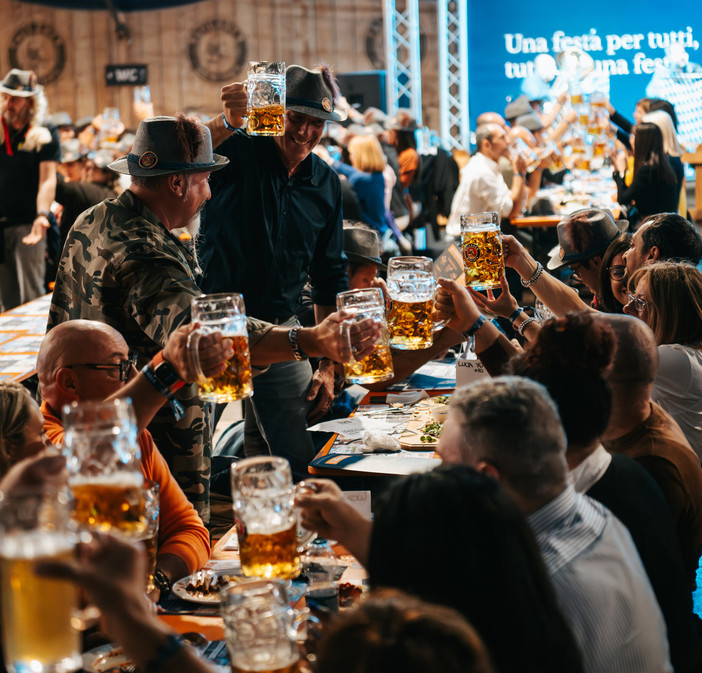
601	586
678	389
482	189
590	470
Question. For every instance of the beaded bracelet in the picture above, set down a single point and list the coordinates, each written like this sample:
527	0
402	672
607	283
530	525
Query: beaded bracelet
535	277
523	326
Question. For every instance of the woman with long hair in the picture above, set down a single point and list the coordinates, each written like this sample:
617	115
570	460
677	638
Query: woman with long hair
654	188
667	296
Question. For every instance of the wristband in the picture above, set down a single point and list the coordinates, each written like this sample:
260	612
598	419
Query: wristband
516	314
227	125
475	327
523	326
163	584
161	375
165	653
535	276
297	351
43	213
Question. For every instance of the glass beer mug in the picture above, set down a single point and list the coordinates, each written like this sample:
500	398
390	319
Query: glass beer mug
482	250
223	313
37	612
261	629
411	286
104	465
377	366
266	519
265	110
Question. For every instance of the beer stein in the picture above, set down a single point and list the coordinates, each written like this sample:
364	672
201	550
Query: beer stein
104	465
261	629
149	536
411	286
266	519
519	148
223	313
377	366
265	110
37	612
482	250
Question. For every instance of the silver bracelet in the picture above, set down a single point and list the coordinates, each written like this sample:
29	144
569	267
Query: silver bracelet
523	326
535	277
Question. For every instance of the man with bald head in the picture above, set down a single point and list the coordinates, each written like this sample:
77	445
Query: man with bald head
482	187
83	360
492	118
642	430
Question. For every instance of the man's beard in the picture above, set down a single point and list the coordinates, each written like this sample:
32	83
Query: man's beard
17	120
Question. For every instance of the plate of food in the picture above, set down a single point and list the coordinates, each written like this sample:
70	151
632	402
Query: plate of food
106	658
203	586
423	430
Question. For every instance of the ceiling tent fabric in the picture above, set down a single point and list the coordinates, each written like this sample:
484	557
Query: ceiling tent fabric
119	5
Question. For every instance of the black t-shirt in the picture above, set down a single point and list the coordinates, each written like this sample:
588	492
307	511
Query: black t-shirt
19	176
75	197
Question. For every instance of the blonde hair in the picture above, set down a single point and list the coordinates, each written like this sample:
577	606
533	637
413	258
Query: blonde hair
674	301
366	154
664	122
15	407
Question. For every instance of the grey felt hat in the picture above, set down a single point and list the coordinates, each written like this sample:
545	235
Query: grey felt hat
362	245
22	83
519	106
155	151
584	234
529	121
308	92
72	150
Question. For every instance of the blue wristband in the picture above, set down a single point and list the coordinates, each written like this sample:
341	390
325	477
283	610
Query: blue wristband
516	314
227	125
475	326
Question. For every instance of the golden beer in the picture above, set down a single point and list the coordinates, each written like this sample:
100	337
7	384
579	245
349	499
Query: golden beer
287	668
234	383
410	323
576	98
111	502
37	611
269	554
150	543
266	121
482	258
374	367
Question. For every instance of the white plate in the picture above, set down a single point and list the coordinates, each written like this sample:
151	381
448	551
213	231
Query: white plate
105	658
179	590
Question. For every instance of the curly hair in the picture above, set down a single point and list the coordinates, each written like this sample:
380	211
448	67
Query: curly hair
570	357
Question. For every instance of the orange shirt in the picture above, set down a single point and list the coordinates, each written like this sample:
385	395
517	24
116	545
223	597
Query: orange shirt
181	531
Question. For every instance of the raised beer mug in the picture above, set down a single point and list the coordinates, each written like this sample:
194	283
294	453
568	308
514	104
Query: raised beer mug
266	519
104	465
377	366
223	313
261	629
482	250
411	287
265	109
38	631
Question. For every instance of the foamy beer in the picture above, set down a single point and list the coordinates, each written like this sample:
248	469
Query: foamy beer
104	465
223	313
265	110
482	250
260	627
149	536
411	286
266	520
377	366
37	612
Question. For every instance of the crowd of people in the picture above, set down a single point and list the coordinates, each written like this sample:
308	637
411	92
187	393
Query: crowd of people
563	531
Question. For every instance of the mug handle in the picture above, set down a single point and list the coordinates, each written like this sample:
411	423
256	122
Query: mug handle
437	324
191	348
345	329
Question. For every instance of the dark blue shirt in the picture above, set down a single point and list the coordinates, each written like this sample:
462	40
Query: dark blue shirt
370	190
264	232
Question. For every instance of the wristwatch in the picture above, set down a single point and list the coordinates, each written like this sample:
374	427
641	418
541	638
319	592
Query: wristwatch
165	373
163	584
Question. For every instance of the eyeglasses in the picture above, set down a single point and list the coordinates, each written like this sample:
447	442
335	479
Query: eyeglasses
124	366
617	271
639	304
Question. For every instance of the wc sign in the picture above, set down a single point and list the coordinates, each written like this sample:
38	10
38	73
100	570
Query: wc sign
126	75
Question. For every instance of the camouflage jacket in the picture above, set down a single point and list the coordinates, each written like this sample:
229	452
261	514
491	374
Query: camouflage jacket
121	266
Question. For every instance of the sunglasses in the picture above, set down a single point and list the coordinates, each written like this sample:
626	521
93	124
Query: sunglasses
124	366
639	304
617	271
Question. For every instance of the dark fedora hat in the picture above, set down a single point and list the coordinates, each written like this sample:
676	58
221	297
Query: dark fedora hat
22	83
584	234
362	245
308	92
155	151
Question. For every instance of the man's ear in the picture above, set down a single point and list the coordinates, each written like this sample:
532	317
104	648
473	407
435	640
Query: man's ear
176	183
489	469
654	254
67	383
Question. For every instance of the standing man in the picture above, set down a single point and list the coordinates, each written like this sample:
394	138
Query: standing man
482	187
274	219
29	156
